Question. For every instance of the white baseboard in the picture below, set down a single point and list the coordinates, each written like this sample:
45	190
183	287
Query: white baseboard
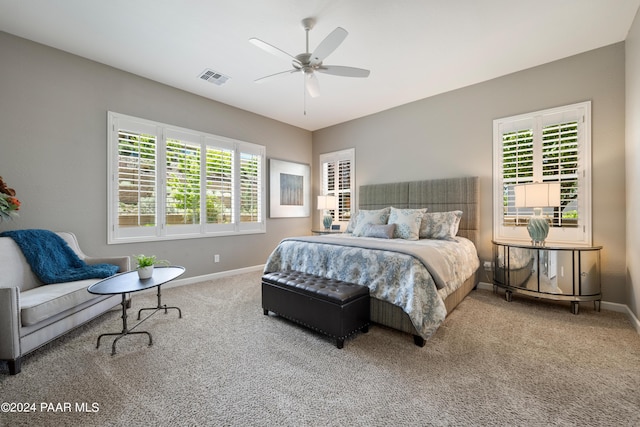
205	277
212	276
604	305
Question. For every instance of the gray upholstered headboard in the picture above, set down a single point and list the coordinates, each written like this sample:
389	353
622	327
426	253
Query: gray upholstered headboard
438	195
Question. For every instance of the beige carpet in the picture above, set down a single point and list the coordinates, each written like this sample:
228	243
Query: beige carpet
224	363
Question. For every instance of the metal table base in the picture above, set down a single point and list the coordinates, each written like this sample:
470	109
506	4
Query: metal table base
160	306
127	283
125	329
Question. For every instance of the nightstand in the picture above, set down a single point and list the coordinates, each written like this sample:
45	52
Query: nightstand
329	231
561	273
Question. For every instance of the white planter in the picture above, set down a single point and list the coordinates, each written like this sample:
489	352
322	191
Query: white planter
145	272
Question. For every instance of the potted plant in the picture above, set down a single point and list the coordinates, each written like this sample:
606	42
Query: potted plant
9	204
145	265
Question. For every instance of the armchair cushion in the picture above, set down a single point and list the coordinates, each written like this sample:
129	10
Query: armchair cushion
44	302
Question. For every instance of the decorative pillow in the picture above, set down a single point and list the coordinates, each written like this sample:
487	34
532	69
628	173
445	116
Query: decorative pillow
376	217
380	231
352	224
440	225
407	222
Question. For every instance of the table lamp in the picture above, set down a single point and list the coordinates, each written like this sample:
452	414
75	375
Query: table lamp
537	195
326	203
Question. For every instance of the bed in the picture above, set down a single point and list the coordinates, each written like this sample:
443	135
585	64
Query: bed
416	280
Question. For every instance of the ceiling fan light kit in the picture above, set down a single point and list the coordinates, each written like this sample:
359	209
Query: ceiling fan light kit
310	62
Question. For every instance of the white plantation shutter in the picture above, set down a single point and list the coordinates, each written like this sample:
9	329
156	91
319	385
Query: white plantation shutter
133	179
182	183
517	161
547	146
167	182
337	179
219	187
561	161
136	179
250	188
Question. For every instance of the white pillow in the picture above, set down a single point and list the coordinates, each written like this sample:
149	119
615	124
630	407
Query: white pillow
440	225
407	222
365	217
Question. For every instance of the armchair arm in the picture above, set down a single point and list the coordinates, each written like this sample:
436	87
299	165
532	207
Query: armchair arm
123	262
9	323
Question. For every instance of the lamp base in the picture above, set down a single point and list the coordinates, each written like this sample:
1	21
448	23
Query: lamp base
538	228
327	220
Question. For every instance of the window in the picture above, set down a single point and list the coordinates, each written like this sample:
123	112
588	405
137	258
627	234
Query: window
167	182
545	146
337	172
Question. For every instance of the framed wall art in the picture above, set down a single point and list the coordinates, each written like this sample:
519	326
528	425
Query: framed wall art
289	187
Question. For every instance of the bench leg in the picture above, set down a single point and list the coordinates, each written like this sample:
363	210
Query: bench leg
265	311
15	366
340	342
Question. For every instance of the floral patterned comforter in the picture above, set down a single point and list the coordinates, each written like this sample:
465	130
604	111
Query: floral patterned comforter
397	271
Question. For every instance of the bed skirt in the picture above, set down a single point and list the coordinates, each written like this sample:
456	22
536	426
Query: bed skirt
387	314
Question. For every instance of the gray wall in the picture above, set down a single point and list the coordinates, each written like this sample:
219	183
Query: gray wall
632	56
53	146
450	135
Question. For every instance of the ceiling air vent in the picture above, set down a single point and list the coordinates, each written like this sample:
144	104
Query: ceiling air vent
214	77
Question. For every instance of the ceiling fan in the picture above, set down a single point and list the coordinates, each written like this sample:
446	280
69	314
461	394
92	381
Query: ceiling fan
309	63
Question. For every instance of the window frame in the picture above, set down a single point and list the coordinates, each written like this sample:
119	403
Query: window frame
581	234
161	230
335	157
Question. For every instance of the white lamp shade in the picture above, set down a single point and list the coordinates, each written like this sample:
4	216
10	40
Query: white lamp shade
537	195
327	202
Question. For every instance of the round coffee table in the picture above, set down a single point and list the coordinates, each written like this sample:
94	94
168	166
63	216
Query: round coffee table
129	282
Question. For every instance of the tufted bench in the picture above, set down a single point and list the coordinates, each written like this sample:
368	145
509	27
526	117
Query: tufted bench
330	306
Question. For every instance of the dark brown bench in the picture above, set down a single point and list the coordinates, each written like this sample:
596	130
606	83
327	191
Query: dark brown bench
335	308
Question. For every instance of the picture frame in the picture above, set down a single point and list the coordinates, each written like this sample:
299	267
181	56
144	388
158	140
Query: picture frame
289	189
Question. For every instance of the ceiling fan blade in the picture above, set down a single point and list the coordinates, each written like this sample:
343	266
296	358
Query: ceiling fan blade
338	70
311	84
328	45
262	79
272	49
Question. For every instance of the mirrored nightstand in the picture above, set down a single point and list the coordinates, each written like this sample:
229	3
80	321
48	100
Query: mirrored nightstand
562	273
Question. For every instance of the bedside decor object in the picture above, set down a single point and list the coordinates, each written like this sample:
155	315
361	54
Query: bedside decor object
145	264
327	203
9	204
537	195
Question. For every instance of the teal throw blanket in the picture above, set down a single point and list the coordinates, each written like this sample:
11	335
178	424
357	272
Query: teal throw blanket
52	260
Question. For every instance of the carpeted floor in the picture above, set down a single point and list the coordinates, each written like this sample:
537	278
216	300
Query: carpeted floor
225	364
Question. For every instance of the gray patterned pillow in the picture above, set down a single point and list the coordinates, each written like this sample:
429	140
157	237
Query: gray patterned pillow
352	224
407	222
380	231
440	225
376	217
